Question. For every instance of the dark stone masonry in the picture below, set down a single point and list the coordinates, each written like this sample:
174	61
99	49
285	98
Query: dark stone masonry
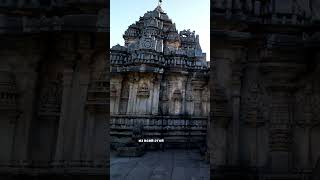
54	89
265	91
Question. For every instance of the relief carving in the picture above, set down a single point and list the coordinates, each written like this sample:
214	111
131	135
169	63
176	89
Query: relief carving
307	106
205	95
114	92
177	95
143	90
51	97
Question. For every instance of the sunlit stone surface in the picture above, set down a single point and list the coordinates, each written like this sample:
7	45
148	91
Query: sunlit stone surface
159	81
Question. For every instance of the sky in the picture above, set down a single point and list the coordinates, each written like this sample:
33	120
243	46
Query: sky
186	14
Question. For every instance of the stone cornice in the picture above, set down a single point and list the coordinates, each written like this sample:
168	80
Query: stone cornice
50	5
229	35
265	12
159	116
75	22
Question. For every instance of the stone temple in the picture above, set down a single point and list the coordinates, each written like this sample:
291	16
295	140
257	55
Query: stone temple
159	84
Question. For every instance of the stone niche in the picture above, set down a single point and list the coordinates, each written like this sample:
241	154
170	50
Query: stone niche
144	95
114	92
143	90
177	102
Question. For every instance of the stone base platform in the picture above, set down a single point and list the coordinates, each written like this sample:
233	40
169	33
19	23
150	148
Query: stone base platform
134	151
160	165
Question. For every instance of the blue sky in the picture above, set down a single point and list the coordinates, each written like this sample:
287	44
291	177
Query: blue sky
187	14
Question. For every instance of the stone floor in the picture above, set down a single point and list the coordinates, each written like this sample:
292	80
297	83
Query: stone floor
158	165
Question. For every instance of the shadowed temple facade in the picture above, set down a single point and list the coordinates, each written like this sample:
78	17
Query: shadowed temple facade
53	89
265	121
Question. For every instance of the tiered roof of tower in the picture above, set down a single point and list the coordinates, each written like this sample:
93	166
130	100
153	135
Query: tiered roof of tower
154	41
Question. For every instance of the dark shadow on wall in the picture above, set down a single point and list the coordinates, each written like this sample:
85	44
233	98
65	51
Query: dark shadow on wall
54	89
265	89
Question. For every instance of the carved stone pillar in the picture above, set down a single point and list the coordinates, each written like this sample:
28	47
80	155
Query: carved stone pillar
48	116
156	94
133	88
280	132
65	108
219	121
236	87
197	91
9	114
220	114
278	77
97	121
79	101
116	88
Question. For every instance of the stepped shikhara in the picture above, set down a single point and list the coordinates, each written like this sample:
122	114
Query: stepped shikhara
159	83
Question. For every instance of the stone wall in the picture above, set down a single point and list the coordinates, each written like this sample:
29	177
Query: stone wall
168	102
264	91
53	88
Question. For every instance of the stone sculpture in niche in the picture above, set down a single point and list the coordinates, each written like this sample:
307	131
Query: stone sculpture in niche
189	97
177	98
50	99
114	91
177	95
252	109
103	19
205	95
143	90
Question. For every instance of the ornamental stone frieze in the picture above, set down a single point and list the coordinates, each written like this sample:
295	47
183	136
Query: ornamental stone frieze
98	93
51	98
114	90
143	90
31	17
288	12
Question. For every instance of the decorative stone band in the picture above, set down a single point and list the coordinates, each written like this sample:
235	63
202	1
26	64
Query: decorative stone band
280	140
267	12
248	172
75	22
170	128
62	167
39	4
155	59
